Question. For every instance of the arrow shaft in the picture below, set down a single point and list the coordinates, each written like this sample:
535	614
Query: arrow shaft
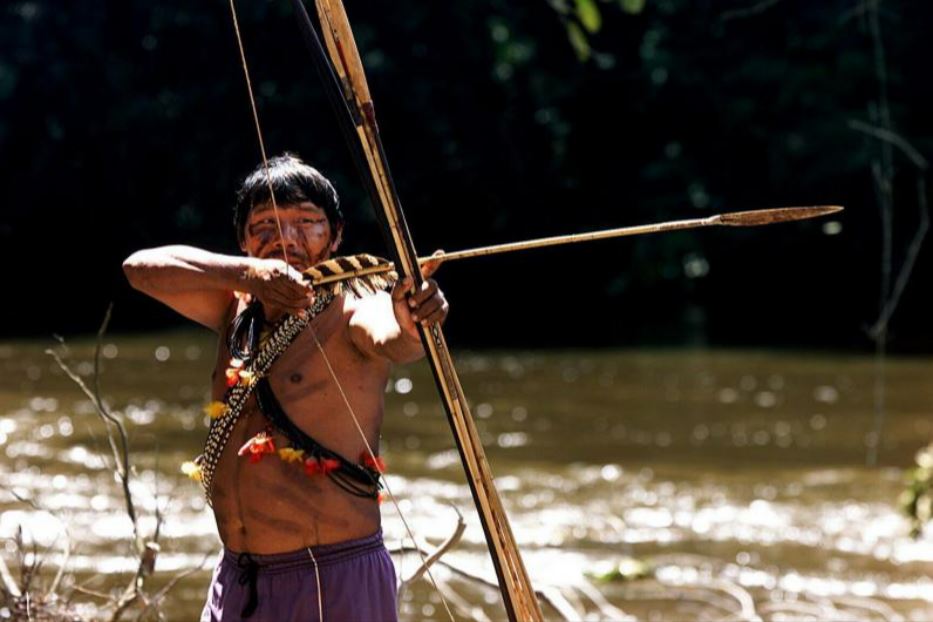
573	238
510	247
752	218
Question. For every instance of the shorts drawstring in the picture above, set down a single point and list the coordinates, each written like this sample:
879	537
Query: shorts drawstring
249	575
320	595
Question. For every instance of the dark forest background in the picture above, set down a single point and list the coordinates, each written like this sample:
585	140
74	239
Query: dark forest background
125	124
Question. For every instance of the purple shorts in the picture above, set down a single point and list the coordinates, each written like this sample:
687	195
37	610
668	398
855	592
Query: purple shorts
356	577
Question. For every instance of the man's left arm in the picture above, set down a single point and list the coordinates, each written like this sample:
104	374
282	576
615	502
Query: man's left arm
385	325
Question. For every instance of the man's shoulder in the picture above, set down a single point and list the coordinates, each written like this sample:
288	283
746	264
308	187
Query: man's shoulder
366	301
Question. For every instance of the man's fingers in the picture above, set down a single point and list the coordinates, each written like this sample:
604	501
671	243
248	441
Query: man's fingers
290	297
425	304
290	288
428	289
437	314
401	289
430	267
426	308
285	303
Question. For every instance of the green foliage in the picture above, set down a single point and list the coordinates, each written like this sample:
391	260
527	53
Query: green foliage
127	125
917	499
588	14
626	569
587	20
579	41
632	6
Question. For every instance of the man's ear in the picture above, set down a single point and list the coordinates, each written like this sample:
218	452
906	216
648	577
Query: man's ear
338	238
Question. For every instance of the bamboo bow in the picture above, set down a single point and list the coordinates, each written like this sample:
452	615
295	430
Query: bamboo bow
349	95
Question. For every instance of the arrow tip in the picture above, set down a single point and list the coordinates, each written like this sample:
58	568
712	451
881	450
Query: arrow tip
779	214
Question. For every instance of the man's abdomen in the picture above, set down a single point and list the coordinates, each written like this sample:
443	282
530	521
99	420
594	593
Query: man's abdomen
273	506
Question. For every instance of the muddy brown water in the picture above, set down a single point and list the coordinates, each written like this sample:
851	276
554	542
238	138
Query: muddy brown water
730	472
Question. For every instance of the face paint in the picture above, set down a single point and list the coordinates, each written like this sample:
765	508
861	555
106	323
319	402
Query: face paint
306	235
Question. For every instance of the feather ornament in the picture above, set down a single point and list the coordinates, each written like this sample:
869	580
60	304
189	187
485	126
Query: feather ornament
360	274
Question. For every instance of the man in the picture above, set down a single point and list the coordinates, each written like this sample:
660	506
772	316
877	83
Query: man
300	527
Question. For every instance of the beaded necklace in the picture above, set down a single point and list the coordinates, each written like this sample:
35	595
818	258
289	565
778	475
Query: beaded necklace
247	375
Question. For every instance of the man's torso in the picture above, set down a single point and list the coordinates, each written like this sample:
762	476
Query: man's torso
273	506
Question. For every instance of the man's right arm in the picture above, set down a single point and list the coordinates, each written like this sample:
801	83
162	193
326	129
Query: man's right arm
200	284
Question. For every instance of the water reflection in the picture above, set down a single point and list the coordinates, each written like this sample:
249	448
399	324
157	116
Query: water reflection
713	466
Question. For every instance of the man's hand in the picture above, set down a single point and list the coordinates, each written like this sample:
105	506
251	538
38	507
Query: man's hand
425	306
278	286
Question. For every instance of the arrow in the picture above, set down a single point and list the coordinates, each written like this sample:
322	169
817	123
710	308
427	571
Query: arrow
332	271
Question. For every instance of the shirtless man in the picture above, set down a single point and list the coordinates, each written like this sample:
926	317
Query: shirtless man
297	545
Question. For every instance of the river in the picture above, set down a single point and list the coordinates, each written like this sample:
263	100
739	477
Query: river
737	477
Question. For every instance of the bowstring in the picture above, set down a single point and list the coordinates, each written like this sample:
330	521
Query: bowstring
330	369
385	480
262	144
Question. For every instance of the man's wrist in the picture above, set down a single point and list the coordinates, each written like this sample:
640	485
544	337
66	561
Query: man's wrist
246	274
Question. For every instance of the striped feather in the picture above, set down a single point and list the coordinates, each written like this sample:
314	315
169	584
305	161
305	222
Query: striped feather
358	274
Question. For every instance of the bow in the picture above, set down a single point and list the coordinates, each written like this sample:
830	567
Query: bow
345	82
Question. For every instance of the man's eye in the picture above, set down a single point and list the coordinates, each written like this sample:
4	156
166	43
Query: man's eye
312	221
261	225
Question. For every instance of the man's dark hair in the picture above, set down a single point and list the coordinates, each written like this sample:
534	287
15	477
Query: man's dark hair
293	181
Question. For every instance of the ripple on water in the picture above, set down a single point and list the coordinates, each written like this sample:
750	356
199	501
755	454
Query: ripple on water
652	476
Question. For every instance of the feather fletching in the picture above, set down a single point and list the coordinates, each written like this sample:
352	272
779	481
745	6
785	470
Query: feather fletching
358	274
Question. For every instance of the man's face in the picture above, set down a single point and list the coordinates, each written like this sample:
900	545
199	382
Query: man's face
307	235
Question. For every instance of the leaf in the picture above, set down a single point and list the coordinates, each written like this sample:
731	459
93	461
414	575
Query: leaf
925	508
588	14
627	569
579	41
560	6
632	6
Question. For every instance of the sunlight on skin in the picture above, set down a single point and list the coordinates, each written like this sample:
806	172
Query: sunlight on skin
306	237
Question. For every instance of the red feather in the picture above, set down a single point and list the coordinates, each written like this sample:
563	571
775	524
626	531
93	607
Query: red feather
329	464
378	464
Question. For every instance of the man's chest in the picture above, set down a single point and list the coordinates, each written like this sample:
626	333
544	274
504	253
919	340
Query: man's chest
319	365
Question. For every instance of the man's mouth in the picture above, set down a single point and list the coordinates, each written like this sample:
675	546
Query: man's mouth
293	258
281	254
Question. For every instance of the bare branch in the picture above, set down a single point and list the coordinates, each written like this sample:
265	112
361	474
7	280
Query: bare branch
83	590
66	547
607	610
558	600
161	594
913	250
544	596
121	453
894	139
448	544
875	606
107	417
9	583
749	11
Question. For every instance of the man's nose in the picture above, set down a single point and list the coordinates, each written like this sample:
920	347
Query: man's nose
292	232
